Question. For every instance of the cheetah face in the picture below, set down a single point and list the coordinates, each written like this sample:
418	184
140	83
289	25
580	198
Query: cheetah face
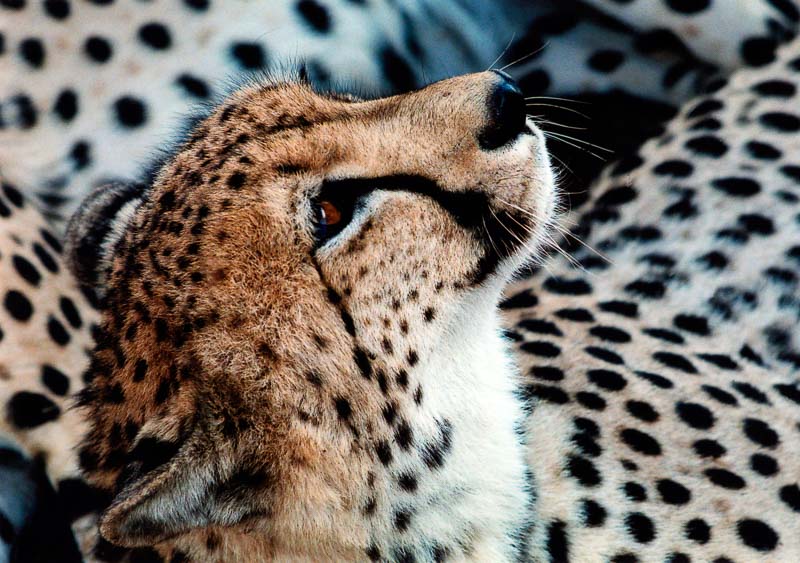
277	288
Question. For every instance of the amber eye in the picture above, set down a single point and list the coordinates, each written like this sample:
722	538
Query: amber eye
333	210
329	213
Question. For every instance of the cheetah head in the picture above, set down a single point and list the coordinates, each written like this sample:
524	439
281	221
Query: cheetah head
274	302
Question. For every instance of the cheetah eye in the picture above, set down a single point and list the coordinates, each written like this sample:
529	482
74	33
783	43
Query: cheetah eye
333	210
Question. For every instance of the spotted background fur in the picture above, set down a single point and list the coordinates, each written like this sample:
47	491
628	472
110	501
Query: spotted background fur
743	283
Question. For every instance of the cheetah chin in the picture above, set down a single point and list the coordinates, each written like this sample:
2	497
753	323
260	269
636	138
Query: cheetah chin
300	356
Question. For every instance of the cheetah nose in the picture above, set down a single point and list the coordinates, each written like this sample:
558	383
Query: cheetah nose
506	113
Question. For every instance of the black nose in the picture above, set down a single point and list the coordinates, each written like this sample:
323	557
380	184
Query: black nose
505	112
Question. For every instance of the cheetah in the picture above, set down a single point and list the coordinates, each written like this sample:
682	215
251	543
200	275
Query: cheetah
300	356
665	372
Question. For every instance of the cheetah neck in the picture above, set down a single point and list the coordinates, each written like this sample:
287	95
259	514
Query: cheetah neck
481	484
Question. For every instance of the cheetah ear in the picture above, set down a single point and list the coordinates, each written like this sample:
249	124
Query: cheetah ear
169	488
97	227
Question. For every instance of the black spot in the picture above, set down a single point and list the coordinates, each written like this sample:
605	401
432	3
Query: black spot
759	432
704	108
583	470
540	326
32	51
557	542
18	305
55	380
193	85
757	224
780	121
707	145
408	482
720	395
775	88
547	393
618	195
434	453
98	49
57	9
720	360
664	334
610	334
402	520
363	363
642	410
675	361
640	442
647	289
790	495
674	168
564	286
634	491
404	435
155	35
236	180
140	370
640	527
26	270
757	534
548	373
590	400
605	355
249	56
606	60
541	348
315	15
575	315
521	300
695	415
692	323
607	379
672	492
384	452
658	380
594	515
737	187
29	410
343	408
197	5
758	51
623	308
66	105
724	478
762	151
708	448
698	531
130	111
749	391
764	465
791	392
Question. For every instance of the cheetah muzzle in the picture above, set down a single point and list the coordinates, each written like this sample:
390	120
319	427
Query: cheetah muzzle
300	356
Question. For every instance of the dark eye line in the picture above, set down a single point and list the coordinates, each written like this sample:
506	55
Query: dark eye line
468	208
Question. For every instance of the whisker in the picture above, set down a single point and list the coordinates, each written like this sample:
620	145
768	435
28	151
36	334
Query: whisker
571	138
561	125
558	99
528	56
580	148
500	56
560	108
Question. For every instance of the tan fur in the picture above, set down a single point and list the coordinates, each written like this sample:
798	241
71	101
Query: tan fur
244	327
